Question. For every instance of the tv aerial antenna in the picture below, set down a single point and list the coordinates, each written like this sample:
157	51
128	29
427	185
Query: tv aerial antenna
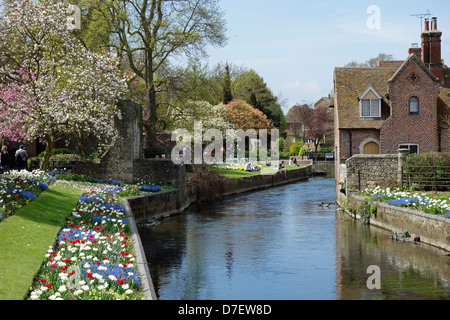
422	16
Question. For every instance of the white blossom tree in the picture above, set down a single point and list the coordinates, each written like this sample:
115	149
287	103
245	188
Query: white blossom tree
51	86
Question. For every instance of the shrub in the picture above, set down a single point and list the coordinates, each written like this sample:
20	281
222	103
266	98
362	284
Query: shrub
296	148
428	170
56	151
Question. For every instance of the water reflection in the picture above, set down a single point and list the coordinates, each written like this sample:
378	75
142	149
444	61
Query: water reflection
279	244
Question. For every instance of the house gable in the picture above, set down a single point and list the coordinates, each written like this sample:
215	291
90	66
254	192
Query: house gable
412	87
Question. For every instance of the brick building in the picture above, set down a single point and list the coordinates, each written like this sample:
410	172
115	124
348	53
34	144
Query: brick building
398	104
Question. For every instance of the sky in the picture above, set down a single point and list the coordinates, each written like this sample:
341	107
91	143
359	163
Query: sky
294	45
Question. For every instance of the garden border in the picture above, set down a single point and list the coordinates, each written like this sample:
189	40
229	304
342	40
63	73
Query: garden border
142	264
432	229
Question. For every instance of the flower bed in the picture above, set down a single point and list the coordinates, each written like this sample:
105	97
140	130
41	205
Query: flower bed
429	203
18	188
92	258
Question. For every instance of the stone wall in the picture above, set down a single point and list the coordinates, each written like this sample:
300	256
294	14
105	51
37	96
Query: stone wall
164	204
432	229
160	172
369	171
118	161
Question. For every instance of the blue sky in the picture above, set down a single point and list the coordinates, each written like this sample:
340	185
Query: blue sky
295	45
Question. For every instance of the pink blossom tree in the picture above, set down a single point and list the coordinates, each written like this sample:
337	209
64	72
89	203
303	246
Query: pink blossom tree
51	86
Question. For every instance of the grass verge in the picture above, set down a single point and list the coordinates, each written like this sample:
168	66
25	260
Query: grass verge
26	236
224	171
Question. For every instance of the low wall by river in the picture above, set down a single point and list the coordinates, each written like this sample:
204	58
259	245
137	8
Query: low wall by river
164	204
432	229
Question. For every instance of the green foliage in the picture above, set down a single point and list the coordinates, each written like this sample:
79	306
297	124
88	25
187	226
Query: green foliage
56	151
75	177
296	148
428	159
426	171
365	211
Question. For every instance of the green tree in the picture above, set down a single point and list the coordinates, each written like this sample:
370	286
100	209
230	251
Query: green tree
249	86
227	95
151	32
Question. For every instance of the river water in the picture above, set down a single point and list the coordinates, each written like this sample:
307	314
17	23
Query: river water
279	244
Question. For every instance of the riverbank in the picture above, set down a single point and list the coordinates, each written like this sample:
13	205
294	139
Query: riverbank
148	208
431	229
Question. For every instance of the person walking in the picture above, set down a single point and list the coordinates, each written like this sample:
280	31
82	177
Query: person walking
4	159
21	158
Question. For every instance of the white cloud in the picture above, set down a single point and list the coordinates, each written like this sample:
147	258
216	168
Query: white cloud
312	86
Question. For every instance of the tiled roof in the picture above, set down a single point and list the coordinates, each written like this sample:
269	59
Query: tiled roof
390	63
444	103
350	83
446	72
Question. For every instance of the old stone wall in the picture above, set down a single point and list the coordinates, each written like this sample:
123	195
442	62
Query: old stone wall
370	171
164	204
160	172
118	161
432	229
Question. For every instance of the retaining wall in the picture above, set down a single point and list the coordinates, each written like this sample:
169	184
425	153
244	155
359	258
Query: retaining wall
432	229
164	204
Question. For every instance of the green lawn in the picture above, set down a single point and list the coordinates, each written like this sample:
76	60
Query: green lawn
26	236
235	173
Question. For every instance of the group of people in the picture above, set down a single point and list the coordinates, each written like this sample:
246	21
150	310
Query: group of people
293	162
21	158
251	166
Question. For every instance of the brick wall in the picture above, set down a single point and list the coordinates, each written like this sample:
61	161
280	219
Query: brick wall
403	127
355	137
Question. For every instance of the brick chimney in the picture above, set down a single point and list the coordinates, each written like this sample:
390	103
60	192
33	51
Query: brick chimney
431	48
415	50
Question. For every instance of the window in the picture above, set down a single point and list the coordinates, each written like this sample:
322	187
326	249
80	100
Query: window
370	108
370	104
413	148
413	105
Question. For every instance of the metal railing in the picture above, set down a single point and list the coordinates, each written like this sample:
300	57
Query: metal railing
435	178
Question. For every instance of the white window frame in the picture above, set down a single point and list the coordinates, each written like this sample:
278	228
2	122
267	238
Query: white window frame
372	115
408	146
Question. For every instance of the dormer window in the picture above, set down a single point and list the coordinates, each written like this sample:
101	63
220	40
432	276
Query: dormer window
370	104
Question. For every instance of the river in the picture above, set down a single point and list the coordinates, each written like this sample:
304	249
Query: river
279	244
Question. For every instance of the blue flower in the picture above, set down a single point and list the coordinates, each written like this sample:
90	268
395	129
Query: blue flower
43	185
99	219
117	207
90	199
112	190
74	234
27	194
114	269
447	214
150	187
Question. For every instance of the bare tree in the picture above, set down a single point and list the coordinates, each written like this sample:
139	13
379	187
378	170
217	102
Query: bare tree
149	33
